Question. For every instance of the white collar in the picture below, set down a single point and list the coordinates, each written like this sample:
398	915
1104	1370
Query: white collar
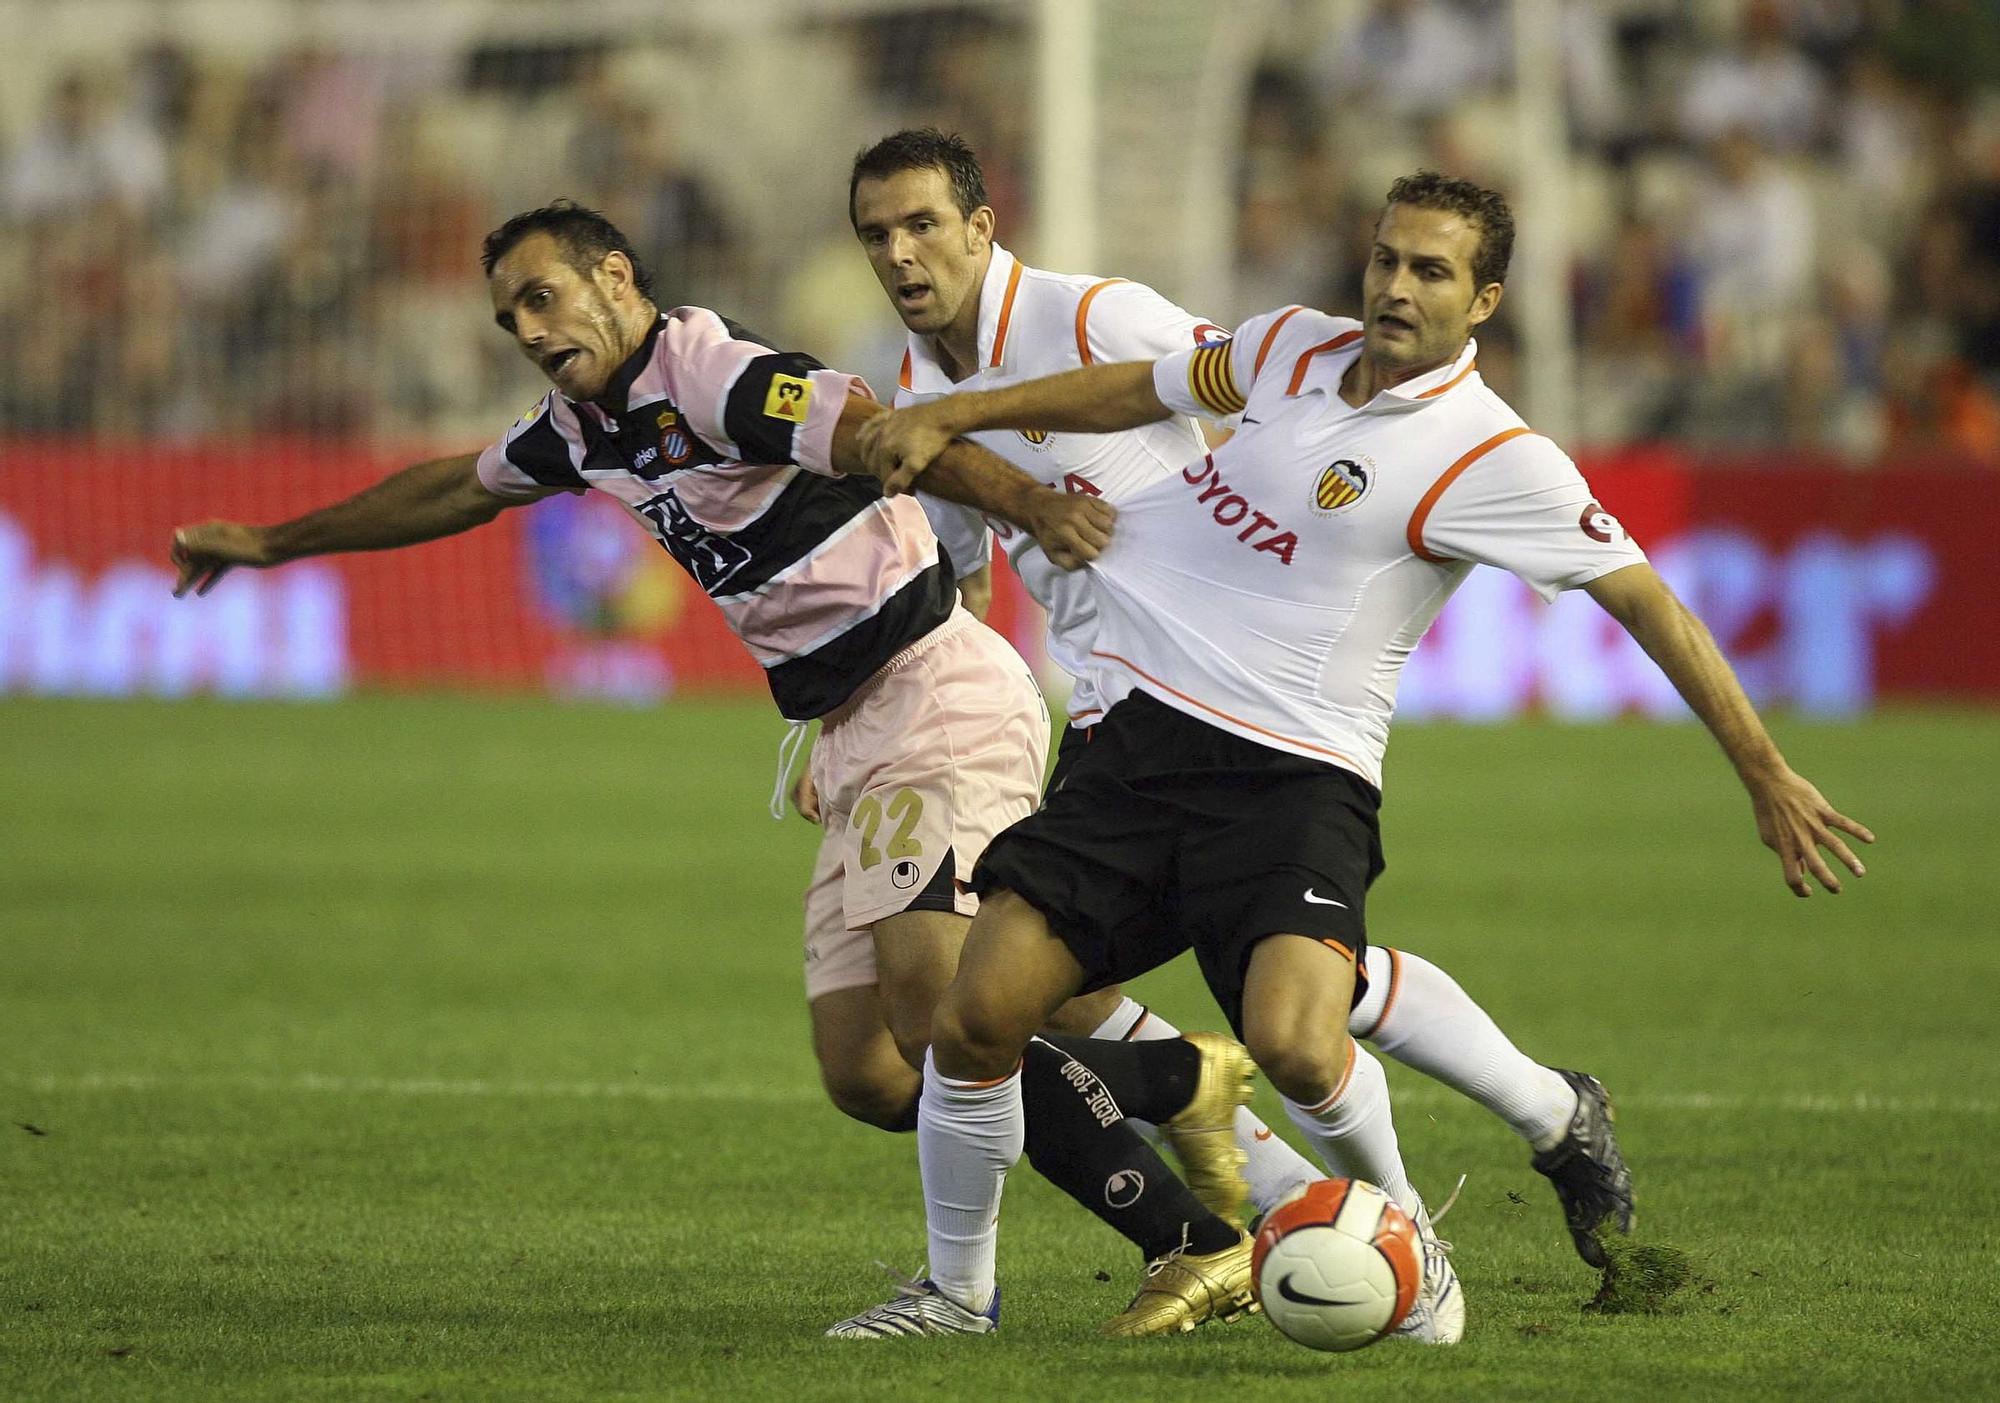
921	371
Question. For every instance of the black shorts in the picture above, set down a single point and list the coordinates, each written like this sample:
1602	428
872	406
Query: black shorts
1160	833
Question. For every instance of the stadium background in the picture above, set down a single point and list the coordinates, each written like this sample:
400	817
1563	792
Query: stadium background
1757	293
441	1037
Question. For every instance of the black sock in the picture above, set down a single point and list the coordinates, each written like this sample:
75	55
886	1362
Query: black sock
1151	1081
1078	1140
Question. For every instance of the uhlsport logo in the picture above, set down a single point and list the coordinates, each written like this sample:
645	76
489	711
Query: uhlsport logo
1341	484
1122	1189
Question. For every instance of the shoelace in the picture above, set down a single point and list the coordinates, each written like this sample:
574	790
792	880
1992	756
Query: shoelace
905	1286
1160	1264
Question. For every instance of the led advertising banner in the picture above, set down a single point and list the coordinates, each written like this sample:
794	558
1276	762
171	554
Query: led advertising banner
1831	590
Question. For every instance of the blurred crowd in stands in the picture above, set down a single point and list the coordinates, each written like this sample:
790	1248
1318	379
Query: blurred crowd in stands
1785	213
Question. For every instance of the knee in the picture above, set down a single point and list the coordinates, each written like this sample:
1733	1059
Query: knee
884	1097
971	1038
1307	1070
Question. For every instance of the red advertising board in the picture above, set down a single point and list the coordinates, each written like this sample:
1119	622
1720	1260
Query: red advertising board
1830	589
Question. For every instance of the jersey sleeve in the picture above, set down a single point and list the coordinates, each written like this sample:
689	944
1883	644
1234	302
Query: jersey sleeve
1523	506
541	454
1125	321
1214	379
962	531
745	399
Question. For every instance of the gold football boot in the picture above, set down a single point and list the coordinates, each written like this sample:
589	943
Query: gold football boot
1204	1133
1181	1291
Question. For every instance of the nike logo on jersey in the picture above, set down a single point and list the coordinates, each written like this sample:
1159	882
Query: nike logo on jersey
1314	900
1300	1298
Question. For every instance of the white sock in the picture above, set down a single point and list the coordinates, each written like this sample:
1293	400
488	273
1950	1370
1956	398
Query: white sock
968	1136
1419	1015
1274	1169
1353	1130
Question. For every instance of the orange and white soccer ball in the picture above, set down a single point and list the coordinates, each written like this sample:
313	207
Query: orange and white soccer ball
1338	1267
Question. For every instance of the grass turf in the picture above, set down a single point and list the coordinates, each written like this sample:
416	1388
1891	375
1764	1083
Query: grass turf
423	1048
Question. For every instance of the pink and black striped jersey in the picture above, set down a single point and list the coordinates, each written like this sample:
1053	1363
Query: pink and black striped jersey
722	448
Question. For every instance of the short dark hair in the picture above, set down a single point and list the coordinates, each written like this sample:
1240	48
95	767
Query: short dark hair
1486	208
586	237
922	148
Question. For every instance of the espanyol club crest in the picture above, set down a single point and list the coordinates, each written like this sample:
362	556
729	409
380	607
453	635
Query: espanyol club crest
1341	484
675	445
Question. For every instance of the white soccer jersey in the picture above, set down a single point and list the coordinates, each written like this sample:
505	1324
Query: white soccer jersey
1275	587
1034	323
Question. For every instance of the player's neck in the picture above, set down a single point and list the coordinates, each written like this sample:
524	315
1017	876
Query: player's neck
957	346
633	329
1367	377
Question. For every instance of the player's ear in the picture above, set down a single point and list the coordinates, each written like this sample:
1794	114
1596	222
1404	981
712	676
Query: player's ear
614	272
979	229
1486	302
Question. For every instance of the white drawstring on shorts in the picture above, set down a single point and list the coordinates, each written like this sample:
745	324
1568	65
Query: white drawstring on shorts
795	739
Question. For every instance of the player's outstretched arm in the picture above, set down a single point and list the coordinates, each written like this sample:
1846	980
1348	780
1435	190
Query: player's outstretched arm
1793	818
1099	399
420	503
1072	530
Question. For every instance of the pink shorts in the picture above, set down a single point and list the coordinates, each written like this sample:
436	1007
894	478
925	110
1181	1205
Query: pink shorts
933	756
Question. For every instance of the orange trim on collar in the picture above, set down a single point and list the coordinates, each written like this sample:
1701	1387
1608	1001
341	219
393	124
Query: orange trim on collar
1414	533
1433	393
1299	371
1083	316
1006	312
903	376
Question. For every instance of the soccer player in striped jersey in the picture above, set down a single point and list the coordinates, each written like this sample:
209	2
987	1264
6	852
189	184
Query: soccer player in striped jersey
1252	621
979	319
740	459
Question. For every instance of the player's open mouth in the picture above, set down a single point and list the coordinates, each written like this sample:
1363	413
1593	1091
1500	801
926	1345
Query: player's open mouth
911	294
556	364
1388	322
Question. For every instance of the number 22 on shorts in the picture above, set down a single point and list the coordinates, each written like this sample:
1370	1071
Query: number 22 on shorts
906	808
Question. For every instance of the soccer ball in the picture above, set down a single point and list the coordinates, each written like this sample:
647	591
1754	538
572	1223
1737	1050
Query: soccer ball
1337	1267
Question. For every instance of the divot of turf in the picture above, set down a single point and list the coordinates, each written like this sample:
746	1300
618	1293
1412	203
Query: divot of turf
1640	1278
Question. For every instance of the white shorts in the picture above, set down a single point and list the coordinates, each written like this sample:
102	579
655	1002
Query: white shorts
934	755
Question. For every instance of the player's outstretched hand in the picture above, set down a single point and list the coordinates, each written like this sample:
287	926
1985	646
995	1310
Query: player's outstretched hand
899	445
1795	821
1072	528
204	553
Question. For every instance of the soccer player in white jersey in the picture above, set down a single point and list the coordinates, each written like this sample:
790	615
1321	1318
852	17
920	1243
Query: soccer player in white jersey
979	319
1253	618
738	458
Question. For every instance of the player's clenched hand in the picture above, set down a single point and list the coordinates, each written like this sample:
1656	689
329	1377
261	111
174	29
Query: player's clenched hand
805	796
899	445
1795	821
204	553
1072	528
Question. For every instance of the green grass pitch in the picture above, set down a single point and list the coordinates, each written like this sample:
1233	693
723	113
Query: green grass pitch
447	1049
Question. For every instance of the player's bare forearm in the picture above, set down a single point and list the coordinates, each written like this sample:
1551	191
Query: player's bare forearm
420	503
1686	652
1793	818
1099	399
1072	530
